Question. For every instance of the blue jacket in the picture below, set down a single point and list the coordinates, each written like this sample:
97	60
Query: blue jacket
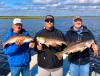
17	55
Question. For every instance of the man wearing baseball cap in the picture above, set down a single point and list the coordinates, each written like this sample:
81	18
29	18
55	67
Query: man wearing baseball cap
18	53
79	61
48	63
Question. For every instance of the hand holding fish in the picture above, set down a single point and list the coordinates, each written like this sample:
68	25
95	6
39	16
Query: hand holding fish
77	46
39	46
95	49
4	43
19	41
31	45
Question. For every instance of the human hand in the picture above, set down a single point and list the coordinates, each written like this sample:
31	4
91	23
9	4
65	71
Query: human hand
39	46
19	41
31	45
4	43
95	49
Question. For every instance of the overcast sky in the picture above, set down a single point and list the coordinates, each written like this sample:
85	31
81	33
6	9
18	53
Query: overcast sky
54	7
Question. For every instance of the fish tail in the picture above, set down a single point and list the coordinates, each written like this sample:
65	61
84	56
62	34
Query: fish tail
64	44
59	55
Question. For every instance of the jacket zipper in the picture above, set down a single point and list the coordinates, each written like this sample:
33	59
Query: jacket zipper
79	39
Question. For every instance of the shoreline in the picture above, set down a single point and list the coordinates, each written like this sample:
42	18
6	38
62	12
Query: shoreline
39	17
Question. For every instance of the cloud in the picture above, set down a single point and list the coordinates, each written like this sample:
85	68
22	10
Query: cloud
82	1
86	5
42	7
76	1
3	5
95	1
45	1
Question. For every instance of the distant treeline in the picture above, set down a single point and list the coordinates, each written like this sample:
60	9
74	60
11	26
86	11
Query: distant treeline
10	17
30	17
38	17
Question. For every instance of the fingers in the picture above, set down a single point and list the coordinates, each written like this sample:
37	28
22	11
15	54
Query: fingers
39	46
31	45
95	49
4	43
19	41
96	53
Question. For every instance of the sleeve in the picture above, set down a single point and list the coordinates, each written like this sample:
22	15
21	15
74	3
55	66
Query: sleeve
35	47
10	49
60	48
92	36
26	33
63	45
36	43
67	37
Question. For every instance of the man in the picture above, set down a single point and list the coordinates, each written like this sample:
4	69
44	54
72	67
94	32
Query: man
18	53
48	63
80	60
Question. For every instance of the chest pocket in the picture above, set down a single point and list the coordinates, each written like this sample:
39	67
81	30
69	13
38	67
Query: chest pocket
86	36
76	37
80	37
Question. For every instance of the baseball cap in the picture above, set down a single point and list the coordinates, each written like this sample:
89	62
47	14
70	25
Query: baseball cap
77	18
17	20
49	17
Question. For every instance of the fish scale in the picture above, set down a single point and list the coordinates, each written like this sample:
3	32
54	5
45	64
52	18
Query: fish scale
13	39
72	48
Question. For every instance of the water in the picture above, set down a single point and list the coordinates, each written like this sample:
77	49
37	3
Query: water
34	25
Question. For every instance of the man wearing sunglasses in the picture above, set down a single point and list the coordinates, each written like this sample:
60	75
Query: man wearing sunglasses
48	63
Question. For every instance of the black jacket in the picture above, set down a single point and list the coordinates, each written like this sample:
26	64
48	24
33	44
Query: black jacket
46	57
72	36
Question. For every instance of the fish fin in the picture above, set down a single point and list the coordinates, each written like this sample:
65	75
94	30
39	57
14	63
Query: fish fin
62	45
59	55
65	44
47	44
81	50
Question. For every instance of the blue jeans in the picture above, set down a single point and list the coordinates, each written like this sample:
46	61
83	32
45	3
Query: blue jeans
79	70
15	71
66	65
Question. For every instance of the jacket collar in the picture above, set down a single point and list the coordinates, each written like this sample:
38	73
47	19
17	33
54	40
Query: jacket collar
22	31
84	30
52	29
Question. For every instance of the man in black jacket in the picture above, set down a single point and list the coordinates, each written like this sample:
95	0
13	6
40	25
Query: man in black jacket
80	60
48	63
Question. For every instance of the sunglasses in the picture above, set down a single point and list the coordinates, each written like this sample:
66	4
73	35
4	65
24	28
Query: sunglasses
49	20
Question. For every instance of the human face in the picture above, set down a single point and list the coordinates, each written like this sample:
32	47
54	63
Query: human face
78	24
17	28
49	23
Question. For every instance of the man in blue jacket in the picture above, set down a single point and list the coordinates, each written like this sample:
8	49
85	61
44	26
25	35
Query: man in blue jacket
18	54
